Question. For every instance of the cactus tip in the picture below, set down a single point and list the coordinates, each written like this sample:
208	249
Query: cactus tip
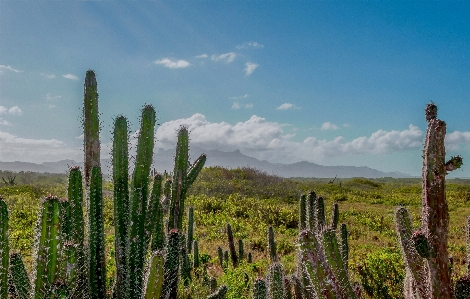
431	111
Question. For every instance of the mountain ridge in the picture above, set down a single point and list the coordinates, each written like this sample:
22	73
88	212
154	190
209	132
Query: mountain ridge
163	160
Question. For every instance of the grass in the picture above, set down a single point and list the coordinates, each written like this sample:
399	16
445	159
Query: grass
251	201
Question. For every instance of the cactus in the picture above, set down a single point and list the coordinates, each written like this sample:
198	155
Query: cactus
154	277
91	125
196	260
220	254
171	265
241	250
259	289
272	245
303	212
96	260
425	251
231	245
276	287
334	216
185	262
4	249
19	277
311	208
190	229
219	293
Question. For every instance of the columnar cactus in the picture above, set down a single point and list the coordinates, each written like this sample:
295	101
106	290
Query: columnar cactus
19	277
425	251
231	245
91	125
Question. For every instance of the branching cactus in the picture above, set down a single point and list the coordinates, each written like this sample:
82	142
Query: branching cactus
322	259
91	125
425	250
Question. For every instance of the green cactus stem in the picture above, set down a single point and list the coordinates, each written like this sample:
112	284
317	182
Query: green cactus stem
260	290
311	207
314	265
91	125
154	277
158	235
47	248
320	214
97	265
19	277
250	258
303	212
335	261
190	229
297	287
231	245
272	245
241	250
275	282
344	249
154	215
220	254
226	258
185	262
171	265
138	202
334	216
196	259
219	293
121	202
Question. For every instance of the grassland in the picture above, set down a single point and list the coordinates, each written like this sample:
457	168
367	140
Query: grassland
251	201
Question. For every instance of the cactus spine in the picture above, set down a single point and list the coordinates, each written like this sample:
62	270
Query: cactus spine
425	251
91	125
154	279
19	276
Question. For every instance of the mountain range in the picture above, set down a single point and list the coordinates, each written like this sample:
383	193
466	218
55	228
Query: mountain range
163	160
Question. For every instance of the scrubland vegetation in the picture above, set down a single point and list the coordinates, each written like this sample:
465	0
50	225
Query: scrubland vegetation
251	201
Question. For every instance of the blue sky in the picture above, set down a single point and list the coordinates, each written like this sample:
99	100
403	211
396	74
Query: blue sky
331	82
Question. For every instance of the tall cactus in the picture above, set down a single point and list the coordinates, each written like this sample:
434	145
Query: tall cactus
425	251
91	125
231	245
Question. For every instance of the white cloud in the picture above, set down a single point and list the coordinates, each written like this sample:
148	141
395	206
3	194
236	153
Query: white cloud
15	110
236	105
4	122
227	57
239	97
248	106
247	45
202	56
250	67
70	77
173	64
8	68
51	98
35	150
329	126
266	140
287	106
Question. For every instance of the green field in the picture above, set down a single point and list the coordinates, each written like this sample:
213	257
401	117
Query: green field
251	201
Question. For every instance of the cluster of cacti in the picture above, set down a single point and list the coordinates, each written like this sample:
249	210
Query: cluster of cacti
69	265
322	261
428	266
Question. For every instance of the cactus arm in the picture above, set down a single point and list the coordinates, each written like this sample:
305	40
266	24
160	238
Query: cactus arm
311	206
276	284
320	214
435	214
195	170
272	245
314	264
334	216
190	230
154	279
344	250
179	179
335	261
303	212
259	289
139	192
171	265
414	263
185	262
153	207
196	260
91	125
20	276
4	249
120	160
97	266
231	245
158	234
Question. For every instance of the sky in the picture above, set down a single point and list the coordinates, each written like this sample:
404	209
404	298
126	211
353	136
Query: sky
329	82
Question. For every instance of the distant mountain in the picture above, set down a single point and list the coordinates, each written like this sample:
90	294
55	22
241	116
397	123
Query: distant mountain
163	160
